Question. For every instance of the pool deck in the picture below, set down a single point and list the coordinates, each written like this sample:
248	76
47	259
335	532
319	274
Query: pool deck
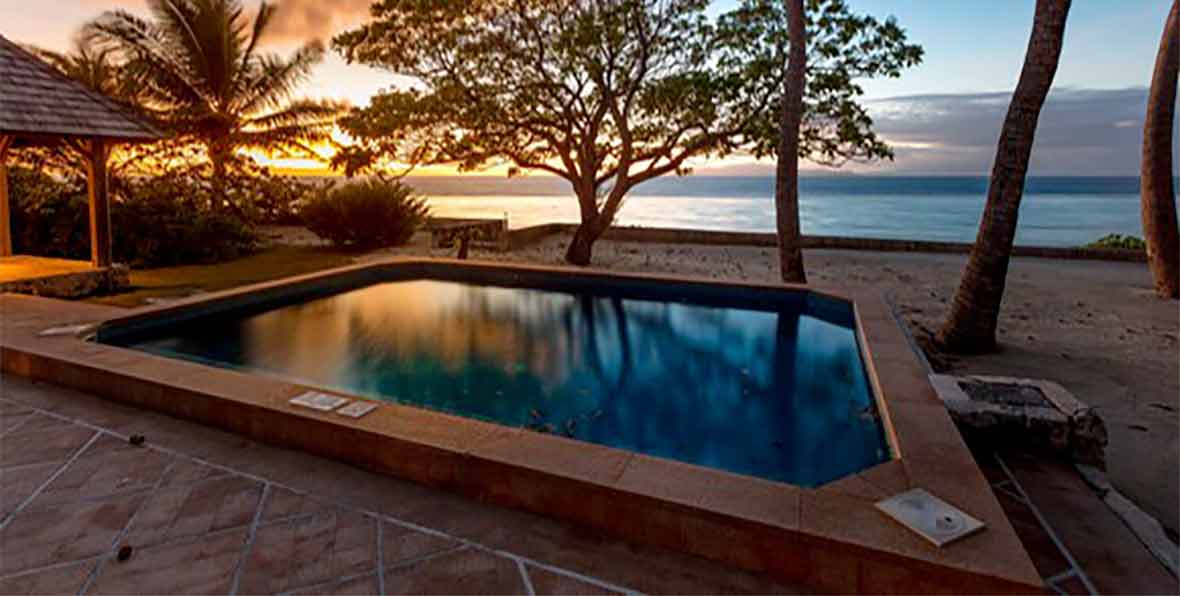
829	539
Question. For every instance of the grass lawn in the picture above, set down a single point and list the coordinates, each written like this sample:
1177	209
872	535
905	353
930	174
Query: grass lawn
175	282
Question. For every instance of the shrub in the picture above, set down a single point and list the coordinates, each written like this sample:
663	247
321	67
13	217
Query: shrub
50	217
364	215
155	221
163	221
1118	241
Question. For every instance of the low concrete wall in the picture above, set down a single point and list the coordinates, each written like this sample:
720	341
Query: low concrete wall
534	234
72	285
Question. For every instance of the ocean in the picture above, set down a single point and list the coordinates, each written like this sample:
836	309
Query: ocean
1055	211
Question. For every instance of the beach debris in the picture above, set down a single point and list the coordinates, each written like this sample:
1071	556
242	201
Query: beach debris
137	440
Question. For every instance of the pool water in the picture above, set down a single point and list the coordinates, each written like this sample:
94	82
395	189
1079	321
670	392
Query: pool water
777	391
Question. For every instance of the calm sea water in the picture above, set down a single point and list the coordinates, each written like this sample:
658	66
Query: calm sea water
778	391
1054	212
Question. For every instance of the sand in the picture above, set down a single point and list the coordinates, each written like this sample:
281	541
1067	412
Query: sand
1094	327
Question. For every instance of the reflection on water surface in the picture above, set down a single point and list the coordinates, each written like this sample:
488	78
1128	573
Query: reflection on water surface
780	395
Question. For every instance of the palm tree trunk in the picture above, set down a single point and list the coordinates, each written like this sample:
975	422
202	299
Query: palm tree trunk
1157	194
971	325
218	158
786	179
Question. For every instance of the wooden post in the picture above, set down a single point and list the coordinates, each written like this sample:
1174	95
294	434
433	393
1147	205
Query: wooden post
5	216
100	209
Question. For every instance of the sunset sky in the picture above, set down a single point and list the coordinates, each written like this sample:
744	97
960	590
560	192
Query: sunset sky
942	117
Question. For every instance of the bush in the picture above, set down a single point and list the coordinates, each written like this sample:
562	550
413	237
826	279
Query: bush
1118	241
157	221
50	217
163	221
364	215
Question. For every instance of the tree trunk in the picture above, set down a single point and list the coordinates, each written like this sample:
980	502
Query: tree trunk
217	157
786	180
971	325
593	225
581	247
1157	194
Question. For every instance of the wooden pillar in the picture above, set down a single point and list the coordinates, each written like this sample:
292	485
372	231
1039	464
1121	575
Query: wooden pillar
100	208
5	212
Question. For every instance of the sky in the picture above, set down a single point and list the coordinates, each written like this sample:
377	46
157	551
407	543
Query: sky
942	117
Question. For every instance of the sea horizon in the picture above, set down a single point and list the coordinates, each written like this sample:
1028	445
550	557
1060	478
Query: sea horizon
1056	210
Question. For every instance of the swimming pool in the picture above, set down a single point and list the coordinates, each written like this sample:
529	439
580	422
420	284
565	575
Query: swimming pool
761	383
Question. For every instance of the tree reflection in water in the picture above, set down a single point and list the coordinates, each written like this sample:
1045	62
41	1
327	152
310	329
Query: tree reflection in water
777	394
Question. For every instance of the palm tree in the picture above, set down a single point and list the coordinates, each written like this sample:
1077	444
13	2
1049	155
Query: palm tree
971	325
98	68
202	74
786	187
1157	194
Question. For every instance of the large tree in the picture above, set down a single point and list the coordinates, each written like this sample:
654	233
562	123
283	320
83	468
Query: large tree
608	94
786	180
1157	193
200	72
971	325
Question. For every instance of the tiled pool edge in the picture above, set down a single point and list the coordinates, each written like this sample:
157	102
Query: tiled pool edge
829	538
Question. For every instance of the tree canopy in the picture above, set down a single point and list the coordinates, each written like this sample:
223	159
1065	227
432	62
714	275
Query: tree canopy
198	70
608	94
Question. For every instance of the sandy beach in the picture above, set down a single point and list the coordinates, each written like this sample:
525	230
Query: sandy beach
1094	327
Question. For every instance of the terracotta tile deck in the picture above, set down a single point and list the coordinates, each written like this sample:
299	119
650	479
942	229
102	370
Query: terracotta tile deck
209	512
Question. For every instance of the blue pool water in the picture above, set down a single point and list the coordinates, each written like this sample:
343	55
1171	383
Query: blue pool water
775	389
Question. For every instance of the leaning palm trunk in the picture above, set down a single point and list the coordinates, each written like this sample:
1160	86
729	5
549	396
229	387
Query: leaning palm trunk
786	180
971	326
1157	194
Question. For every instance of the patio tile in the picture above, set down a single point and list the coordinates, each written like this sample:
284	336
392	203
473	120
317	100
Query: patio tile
108	467
186	511
18	483
310	550
283	503
59	579
38	537
185	471
12	414
196	565
468	571
399	543
42	440
365	584
546	582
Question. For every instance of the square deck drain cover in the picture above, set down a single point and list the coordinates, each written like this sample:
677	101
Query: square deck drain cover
934	519
357	409
318	401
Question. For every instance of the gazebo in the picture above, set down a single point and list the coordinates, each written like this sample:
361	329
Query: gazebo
39	106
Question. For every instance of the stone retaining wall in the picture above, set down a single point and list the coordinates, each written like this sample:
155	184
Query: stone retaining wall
531	235
72	285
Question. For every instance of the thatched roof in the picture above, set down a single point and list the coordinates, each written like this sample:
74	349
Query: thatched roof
37	103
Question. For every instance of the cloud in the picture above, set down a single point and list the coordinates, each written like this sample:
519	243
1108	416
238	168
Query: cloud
305	20
295	21
1080	132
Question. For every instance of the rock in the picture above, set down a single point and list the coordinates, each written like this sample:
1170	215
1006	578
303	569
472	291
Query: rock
1040	414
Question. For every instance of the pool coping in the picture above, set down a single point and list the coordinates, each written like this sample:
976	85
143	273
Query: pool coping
829	538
